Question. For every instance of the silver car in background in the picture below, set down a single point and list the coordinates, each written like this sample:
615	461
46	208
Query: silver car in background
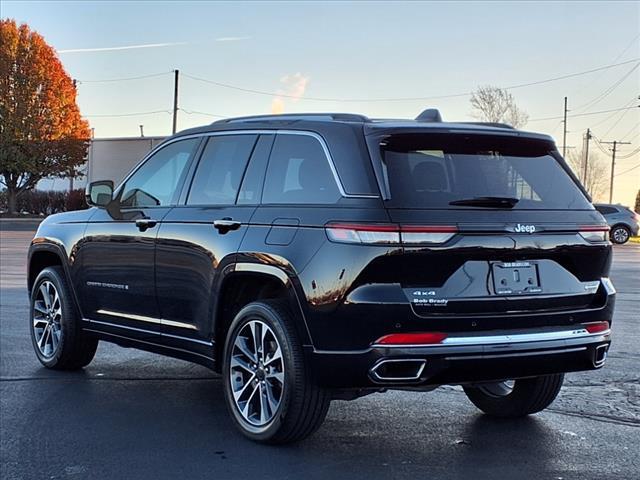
623	221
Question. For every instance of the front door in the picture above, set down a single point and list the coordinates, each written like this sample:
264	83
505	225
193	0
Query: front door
118	251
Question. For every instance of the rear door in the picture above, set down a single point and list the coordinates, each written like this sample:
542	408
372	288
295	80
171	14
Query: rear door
491	224
201	236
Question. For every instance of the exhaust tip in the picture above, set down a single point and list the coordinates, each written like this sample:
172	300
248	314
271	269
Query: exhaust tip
398	370
600	355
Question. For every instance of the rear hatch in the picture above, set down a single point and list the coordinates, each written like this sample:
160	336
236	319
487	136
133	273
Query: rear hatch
491	223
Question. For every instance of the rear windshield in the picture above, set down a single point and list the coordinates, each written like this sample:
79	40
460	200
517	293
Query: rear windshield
433	170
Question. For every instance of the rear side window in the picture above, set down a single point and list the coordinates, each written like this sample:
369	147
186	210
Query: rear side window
440	171
299	172
606	210
220	170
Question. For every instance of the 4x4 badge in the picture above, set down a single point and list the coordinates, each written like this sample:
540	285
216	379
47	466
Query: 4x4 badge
519	228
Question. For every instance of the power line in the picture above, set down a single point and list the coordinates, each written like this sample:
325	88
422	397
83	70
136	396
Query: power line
599	145
608	91
207	114
609	117
136	114
630	154
400	99
125	79
583	114
629	170
618	57
616	123
636	126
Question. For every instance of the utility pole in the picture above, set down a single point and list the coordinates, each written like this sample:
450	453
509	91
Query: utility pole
586	158
564	135
141	130
175	100
615	144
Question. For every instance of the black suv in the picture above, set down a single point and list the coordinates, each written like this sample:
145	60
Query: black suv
328	256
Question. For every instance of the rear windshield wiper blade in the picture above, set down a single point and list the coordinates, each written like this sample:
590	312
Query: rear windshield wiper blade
489	202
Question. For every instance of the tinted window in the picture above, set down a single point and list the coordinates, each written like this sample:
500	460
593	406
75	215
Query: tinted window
220	170
251	188
299	172
432	170
606	210
155	182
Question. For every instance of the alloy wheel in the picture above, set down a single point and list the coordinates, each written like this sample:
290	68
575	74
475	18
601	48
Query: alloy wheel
620	235
257	373
47	314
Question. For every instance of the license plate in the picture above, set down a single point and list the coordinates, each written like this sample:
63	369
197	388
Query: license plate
516	278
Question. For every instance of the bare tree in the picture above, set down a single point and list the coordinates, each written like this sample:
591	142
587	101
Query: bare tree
495	104
597	178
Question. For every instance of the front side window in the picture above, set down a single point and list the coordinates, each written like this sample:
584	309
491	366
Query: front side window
220	170
299	172
458	171
155	183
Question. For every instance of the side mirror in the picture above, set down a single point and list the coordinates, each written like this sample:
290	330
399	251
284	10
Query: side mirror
99	194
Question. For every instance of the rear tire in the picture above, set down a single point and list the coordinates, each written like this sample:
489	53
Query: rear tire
56	334
620	234
268	386
523	397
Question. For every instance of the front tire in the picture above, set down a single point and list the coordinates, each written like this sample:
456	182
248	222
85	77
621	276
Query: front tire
620	234
518	398
58	339
268	386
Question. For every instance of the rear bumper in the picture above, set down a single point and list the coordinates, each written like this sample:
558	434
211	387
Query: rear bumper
502	355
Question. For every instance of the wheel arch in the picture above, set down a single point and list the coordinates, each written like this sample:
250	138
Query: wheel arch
41	256
250	282
620	224
46	254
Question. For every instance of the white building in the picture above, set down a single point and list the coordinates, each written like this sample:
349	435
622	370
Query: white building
107	159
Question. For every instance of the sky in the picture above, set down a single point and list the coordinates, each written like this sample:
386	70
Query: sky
373	58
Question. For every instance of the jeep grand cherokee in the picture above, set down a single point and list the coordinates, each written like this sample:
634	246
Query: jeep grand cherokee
327	256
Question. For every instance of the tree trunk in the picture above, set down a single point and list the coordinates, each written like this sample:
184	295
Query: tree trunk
11	201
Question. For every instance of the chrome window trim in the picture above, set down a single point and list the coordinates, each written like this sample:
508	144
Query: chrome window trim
308	133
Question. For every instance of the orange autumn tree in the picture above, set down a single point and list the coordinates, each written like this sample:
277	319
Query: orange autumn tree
41	131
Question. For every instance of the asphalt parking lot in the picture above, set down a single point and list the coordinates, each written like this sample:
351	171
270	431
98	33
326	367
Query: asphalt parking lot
134	415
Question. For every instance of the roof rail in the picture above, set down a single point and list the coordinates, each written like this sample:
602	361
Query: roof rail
345	117
491	124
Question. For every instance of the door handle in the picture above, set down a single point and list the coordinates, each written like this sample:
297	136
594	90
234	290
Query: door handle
226	224
144	223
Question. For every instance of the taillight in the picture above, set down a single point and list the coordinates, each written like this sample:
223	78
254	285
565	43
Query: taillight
376	234
596	327
416	234
428	338
594	233
360	233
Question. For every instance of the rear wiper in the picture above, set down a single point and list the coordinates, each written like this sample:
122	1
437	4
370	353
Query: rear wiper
489	202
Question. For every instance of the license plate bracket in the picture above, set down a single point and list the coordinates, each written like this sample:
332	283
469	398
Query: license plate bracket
516	278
